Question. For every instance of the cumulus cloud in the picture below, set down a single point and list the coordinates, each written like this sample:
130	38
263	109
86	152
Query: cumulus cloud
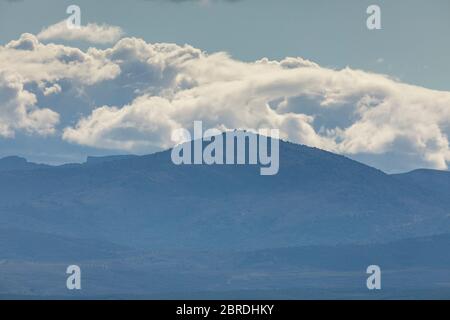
37	62
18	110
144	123
141	92
53	89
91	32
305	101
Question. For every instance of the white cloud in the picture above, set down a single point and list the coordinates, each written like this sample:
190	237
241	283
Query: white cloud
18	110
141	92
37	62
91	32
54	89
144	124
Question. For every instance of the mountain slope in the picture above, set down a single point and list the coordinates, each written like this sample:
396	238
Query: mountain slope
148	202
434	183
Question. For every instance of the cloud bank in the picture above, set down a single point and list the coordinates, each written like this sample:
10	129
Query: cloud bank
139	92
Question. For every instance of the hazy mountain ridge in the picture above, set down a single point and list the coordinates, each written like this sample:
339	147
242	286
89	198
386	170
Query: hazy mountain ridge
141	225
13	163
317	198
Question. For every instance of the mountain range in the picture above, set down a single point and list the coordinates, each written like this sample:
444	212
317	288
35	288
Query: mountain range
144	227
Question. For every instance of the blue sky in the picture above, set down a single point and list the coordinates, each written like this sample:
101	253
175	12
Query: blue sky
389	108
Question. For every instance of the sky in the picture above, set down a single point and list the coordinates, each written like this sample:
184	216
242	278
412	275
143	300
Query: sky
312	68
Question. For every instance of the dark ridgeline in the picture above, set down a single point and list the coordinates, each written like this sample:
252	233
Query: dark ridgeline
145	218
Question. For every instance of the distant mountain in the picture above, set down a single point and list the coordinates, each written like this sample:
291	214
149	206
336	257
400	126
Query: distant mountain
434	183
144	226
148	202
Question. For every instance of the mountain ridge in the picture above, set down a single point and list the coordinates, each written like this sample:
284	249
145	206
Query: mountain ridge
140	225
146	201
